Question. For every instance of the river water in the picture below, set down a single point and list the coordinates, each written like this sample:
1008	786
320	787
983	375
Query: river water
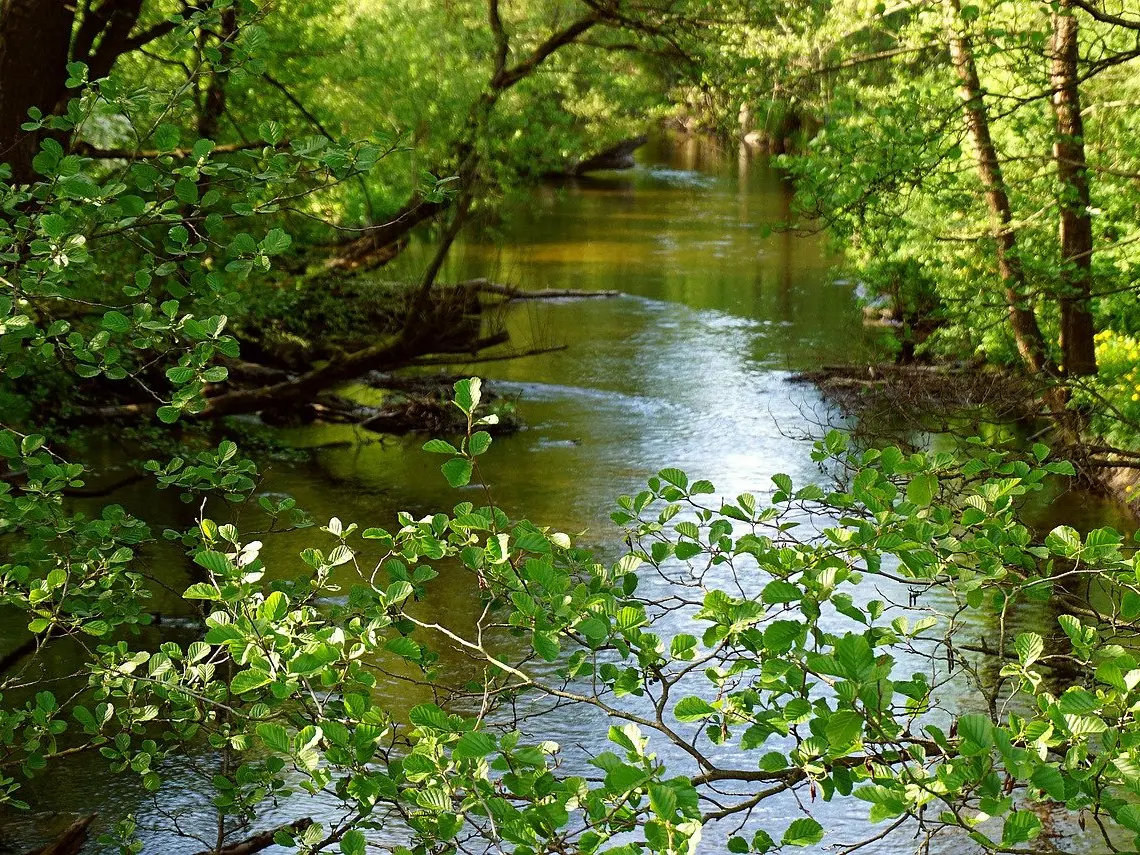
688	368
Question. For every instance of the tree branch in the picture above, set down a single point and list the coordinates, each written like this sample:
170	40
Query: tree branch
261	840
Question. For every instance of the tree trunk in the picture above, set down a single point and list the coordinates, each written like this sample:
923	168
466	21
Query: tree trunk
213	104
1077	344
34	40
1026	332
110	25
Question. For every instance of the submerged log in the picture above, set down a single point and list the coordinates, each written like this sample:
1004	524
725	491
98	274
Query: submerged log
71	841
618	156
261	840
486	286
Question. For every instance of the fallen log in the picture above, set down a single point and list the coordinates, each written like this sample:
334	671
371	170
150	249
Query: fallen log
71	841
13	657
261	840
617	156
381	243
485	286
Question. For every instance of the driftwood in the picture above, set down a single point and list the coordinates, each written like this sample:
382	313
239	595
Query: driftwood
71	841
423	405
485	286
13	657
261	840
617	156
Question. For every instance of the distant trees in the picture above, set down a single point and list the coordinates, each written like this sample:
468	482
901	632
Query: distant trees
1032	258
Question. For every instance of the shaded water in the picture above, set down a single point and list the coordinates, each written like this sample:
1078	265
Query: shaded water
689	368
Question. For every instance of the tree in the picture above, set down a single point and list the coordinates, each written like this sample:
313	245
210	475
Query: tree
1023	322
790	667
36	43
1076	232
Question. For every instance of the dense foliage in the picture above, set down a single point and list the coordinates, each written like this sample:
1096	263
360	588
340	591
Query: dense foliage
976	162
789	648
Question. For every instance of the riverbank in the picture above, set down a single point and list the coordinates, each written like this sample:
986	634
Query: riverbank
890	402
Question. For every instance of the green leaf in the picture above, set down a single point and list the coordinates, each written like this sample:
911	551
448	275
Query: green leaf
921	490
179	374
248	680
683	647
275	736
779	591
275	607
855	657
1029	647
977	729
803	832
201	591
1048	778
1064	541
480	442
166	137
53	225
438	446
403	646
429	716
663	800
271	132
275	241
457	471
116	322
468	394
546	645
473	745
1078	701
353	842
693	709
1020	827
843	729
215	562
186	191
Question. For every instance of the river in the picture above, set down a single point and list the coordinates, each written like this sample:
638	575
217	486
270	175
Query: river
689	367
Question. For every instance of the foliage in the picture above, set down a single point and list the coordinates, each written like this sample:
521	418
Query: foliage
782	675
739	642
892	172
1113	397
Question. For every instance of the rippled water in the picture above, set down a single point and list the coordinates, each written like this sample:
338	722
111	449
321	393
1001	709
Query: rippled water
688	368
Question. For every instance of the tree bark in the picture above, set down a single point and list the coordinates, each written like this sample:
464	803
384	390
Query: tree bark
213	99
1076	237
111	23
1023	322
71	841
261	840
34	39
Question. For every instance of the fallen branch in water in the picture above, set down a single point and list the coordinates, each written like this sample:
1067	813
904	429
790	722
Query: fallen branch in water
10	659
498	357
261	840
485	286
71	841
